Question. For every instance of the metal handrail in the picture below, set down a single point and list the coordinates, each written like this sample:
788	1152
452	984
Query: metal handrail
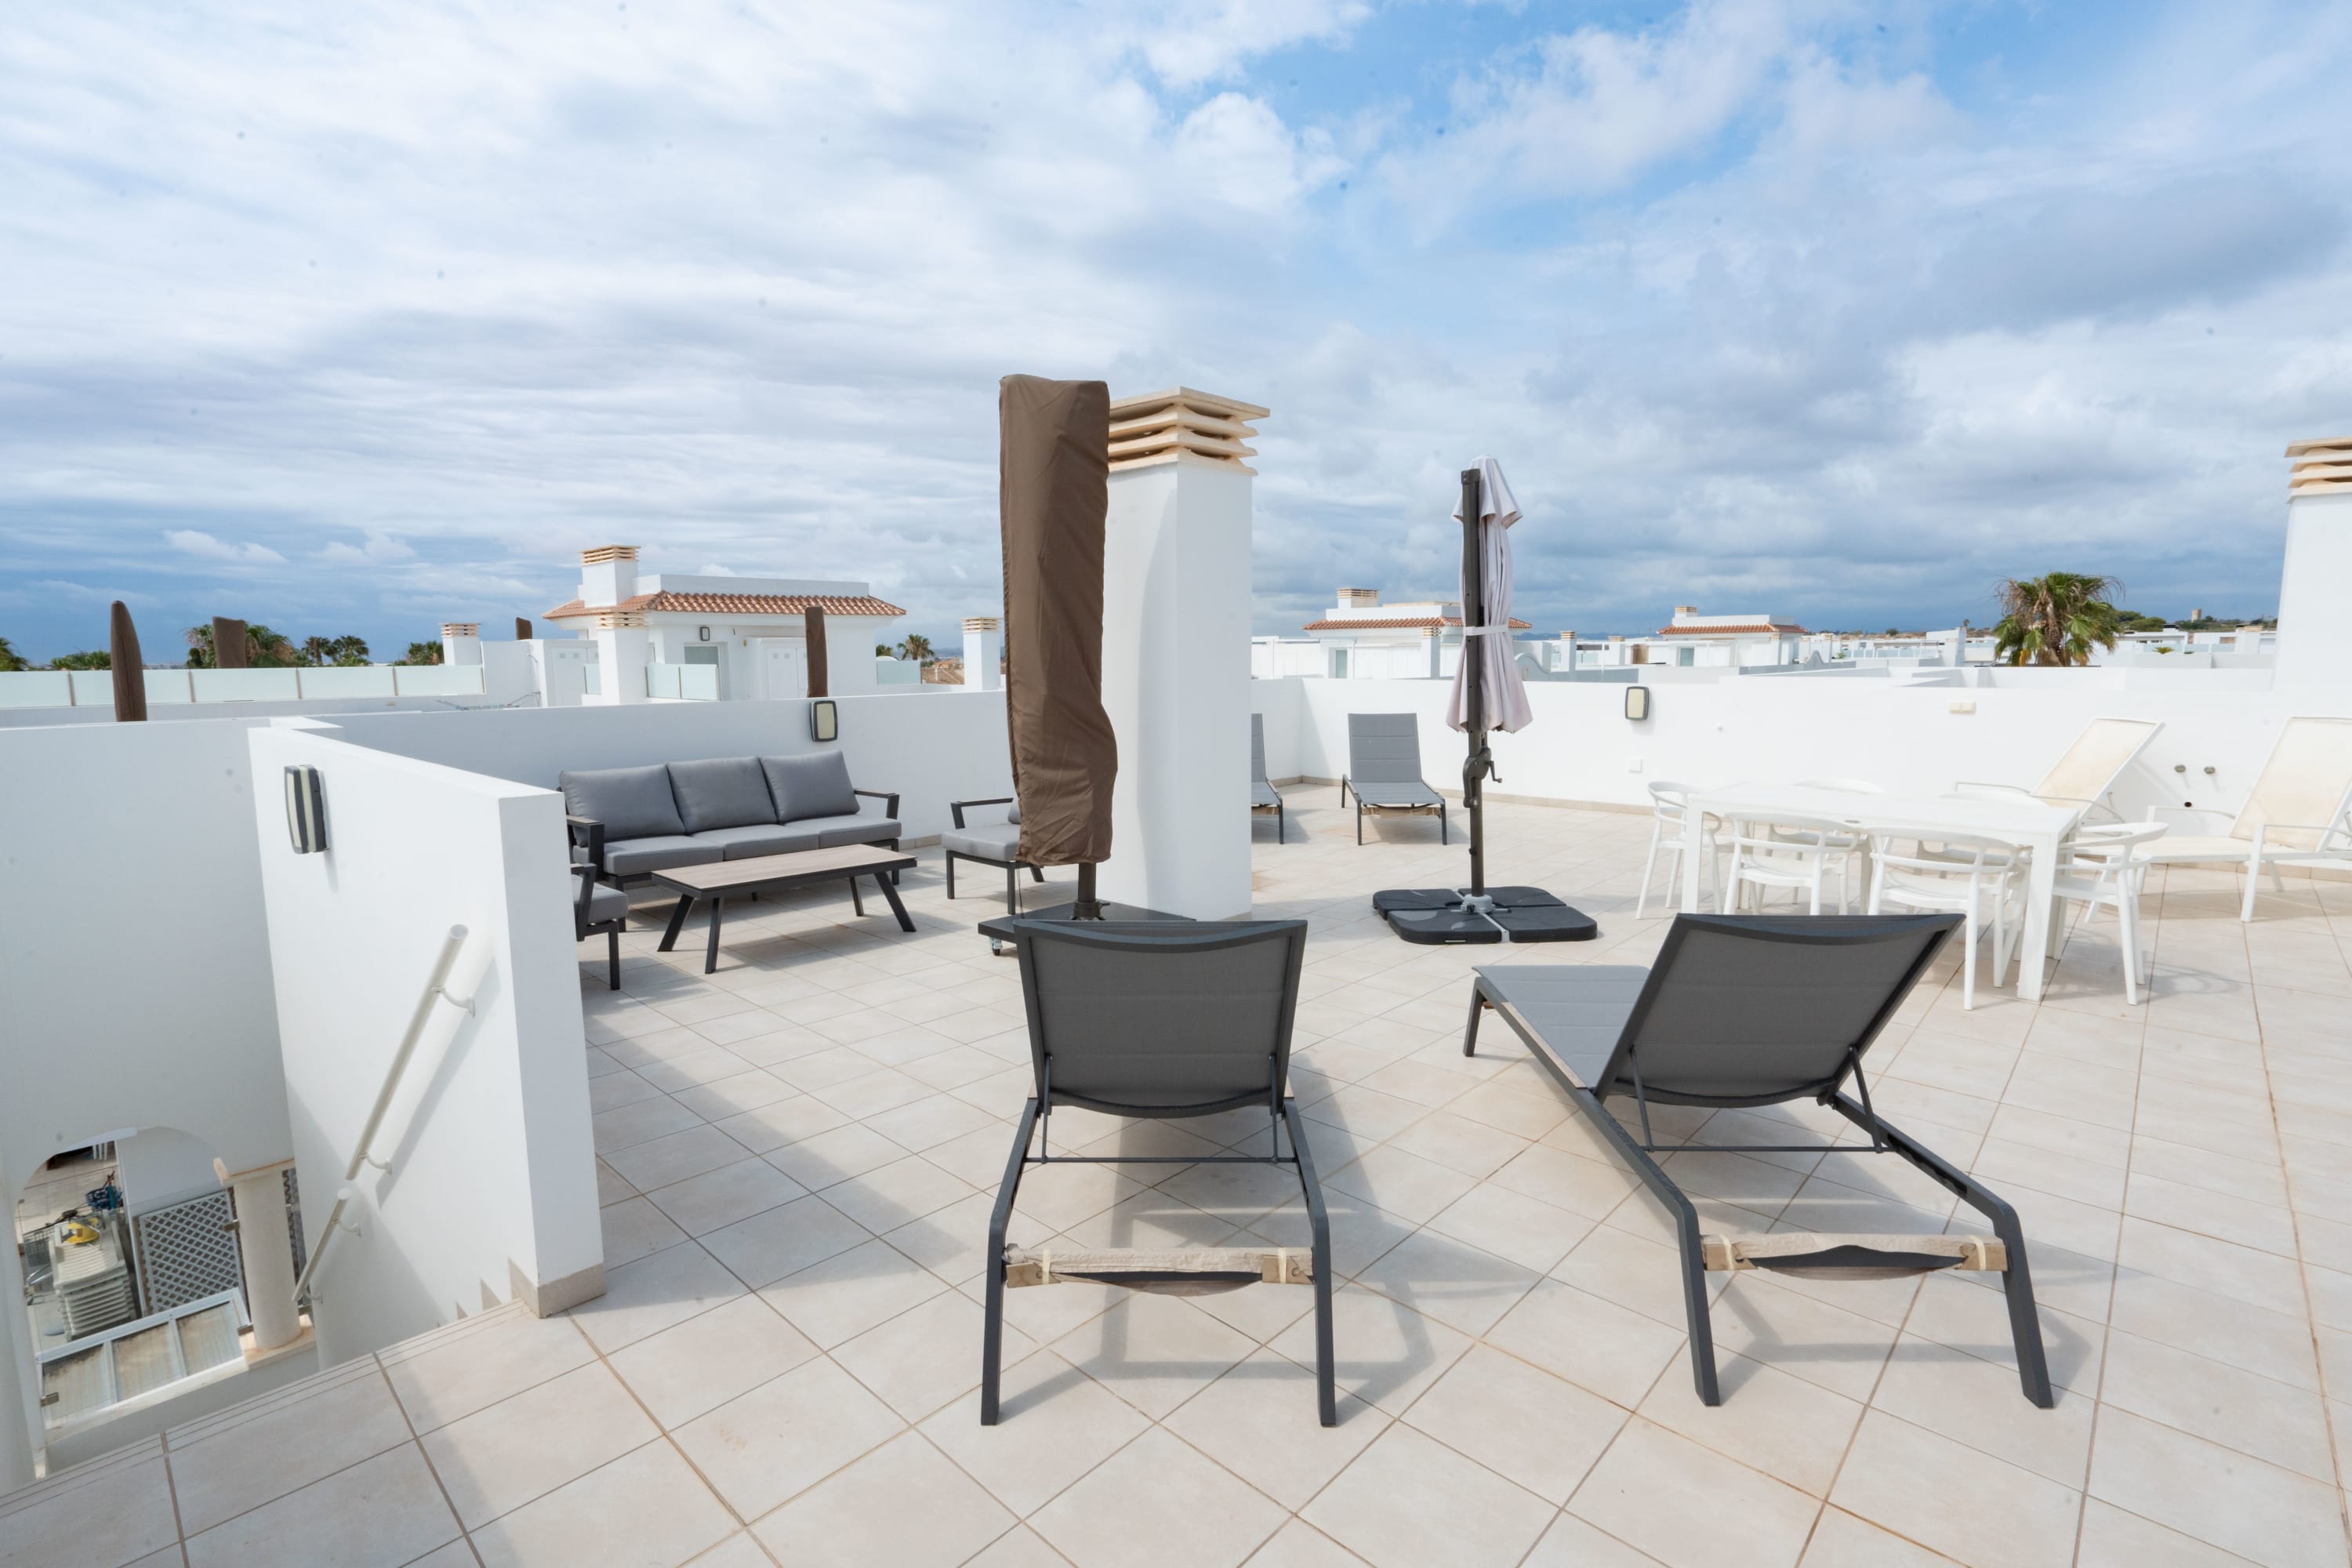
435	990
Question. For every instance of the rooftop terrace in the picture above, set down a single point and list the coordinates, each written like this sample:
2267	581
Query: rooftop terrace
797	1156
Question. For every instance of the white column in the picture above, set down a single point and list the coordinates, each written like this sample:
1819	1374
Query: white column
461	642
1176	626
622	650
17	1368
2315	631
263	1247
983	653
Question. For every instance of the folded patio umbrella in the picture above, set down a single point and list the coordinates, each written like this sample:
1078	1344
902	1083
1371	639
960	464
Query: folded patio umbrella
123	656
1505	693
1054	492
820	679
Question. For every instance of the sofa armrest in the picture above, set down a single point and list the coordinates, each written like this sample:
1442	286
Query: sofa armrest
587	834
957	806
889	798
587	875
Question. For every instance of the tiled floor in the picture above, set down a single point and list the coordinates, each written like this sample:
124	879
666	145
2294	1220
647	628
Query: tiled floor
798	1155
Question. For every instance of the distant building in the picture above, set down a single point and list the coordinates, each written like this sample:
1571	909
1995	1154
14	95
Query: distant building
1361	638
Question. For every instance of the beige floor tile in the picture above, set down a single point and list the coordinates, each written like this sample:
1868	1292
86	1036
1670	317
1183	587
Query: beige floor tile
851	1293
863	1514
1412	1502
634	1228
1527	1231
2273	1421
1934	1491
1455	1283
1981	1403
1258	1421
1530	1427
223	1466
2112	1538
474	1364
1055	1424
705	1203
900	1193
1157	1503
2216	1495
658	1162
1403	1184
2274	1344
111	1511
1385	1353
1594	1343
378	1514
695	1367
784	1240
1572	1543
1020	1547
1154	1352
927	1356
524	1446
1842	1540
823	1159
1297	1545
738	1550
769	1444
649	1295
644	1510
1792	1430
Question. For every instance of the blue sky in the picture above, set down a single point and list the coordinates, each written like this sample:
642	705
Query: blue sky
358	319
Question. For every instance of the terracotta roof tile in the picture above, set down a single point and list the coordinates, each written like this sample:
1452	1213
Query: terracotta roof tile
736	604
1750	628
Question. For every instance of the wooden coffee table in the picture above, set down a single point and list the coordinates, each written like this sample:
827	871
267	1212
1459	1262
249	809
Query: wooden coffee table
715	884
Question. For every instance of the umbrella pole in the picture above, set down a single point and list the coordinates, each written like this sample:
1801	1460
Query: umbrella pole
1474	673
1085	906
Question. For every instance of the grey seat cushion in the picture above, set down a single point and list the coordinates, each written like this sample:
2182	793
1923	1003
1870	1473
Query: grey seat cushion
632	802
720	792
1577	1009
1377	794
1262	794
761	838
632	857
606	904
816	785
988	841
857	828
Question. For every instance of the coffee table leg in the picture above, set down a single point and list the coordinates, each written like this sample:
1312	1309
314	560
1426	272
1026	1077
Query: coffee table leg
882	881
855	902
676	921
710	959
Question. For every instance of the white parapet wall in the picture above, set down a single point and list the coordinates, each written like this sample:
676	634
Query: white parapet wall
492	1188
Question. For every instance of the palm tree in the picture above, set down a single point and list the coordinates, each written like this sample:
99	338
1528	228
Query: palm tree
317	651
264	646
2055	618
88	659
347	649
9	661
917	648
422	653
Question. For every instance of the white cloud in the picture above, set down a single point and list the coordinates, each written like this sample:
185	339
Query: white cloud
194	542
1205	42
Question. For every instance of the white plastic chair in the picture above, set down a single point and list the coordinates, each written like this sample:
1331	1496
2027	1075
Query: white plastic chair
1966	876
2299	811
2104	866
1792	852
1668	815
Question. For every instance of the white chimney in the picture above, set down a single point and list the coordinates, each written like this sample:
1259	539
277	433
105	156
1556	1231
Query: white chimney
622	650
2315	618
608	575
983	650
461	642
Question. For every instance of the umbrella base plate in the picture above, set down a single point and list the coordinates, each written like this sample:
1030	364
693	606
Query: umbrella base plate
1438	916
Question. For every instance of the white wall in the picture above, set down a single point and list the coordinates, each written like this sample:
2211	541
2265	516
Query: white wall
1581	749
492	1179
951	747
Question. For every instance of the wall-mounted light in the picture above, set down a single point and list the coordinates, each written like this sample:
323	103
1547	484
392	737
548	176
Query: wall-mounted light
1637	703
825	720
306	810
702	634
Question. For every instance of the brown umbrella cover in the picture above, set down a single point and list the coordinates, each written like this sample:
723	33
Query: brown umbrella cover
819	676
1054	488
130	674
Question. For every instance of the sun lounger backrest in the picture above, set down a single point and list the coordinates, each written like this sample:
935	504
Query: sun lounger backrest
1257	749
1384	748
1754	1009
2096	759
1162	1019
2303	785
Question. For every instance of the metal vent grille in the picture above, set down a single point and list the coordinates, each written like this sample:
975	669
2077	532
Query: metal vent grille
186	1251
294	1221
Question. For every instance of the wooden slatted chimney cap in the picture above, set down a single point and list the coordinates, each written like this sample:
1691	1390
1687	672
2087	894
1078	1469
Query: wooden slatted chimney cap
608	619
461	628
983	624
603	552
1164	427
2321	468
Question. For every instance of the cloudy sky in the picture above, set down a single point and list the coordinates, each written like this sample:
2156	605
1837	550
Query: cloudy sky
356	318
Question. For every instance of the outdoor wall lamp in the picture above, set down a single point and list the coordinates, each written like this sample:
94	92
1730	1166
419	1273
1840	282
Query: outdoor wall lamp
825	720
702	634
1637	703
306	810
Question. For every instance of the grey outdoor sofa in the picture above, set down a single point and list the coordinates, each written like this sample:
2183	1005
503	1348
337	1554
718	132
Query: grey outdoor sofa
991	844
629	823
1747	1011
1263	797
1384	769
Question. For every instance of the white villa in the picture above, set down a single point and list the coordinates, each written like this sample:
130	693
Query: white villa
694	1270
1361	638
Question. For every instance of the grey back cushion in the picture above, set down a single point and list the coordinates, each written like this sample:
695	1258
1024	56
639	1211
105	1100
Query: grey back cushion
1013	815
1257	749
816	785
1384	748
720	792
632	802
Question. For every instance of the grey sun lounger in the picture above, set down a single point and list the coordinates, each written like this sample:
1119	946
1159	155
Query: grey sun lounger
1749	1010
1384	770
1263	795
1160	1020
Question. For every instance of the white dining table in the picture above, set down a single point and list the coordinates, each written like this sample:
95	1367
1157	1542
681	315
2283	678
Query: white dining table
2031	825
